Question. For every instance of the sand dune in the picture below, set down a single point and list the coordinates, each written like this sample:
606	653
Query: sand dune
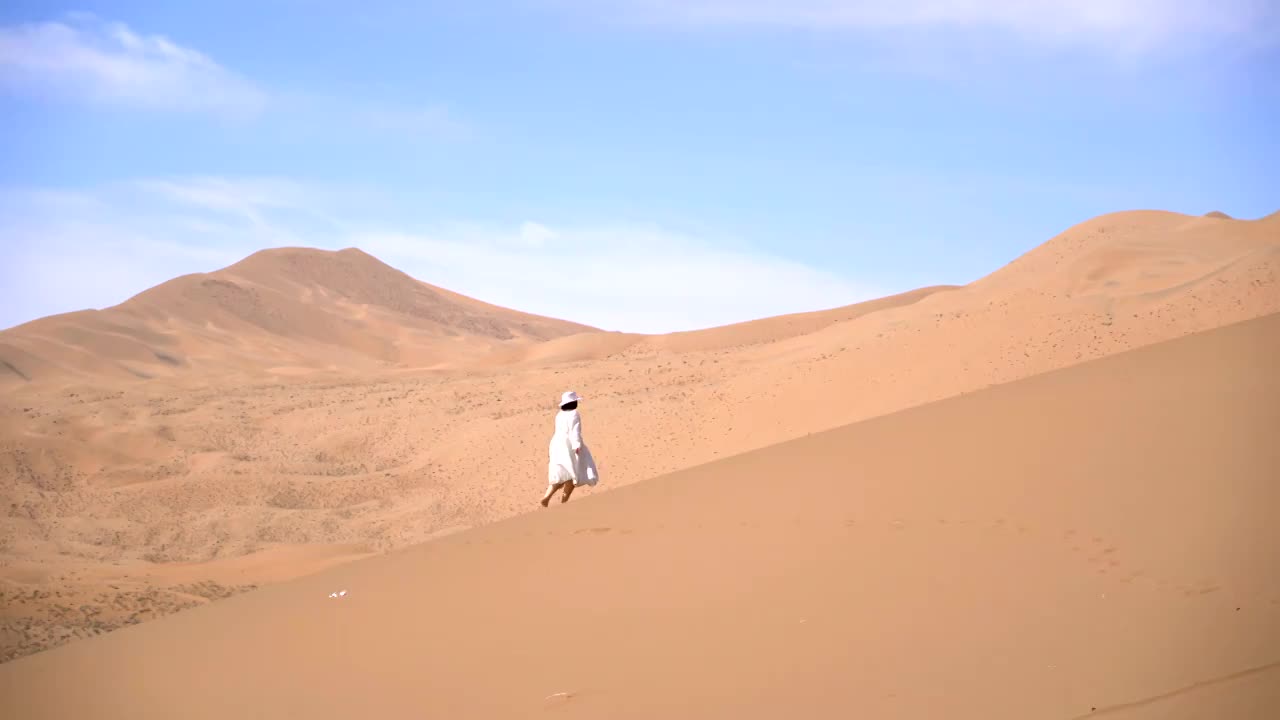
291	307
599	346
1092	542
119	494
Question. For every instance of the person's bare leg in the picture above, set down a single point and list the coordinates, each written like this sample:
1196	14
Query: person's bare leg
568	490
551	490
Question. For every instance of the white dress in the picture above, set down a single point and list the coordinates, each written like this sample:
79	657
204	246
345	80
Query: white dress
564	465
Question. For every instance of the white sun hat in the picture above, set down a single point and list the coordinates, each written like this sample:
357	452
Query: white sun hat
569	397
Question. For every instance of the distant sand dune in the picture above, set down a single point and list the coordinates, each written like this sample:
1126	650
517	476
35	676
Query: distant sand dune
288	306
598	346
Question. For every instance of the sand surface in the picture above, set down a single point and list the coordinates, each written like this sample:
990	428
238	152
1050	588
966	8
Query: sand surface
1093	542
318	408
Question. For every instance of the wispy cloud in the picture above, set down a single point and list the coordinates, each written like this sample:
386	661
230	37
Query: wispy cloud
1107	25
96	248
86	58
82	58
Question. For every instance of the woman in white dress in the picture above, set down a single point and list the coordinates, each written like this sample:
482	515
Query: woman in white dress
570	463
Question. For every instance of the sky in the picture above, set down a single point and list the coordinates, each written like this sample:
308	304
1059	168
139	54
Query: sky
637	165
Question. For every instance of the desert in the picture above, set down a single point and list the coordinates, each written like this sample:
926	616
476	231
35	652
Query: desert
1088	421
640	359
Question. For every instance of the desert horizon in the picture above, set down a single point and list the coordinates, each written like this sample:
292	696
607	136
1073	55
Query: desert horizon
284	250
273	282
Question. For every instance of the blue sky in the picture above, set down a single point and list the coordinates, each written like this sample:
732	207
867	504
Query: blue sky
643	165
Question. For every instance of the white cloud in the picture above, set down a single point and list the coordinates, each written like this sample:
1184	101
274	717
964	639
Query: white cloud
86	59
1106	24
110	63
72	251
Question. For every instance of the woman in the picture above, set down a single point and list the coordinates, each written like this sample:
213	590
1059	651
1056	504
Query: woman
570	463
